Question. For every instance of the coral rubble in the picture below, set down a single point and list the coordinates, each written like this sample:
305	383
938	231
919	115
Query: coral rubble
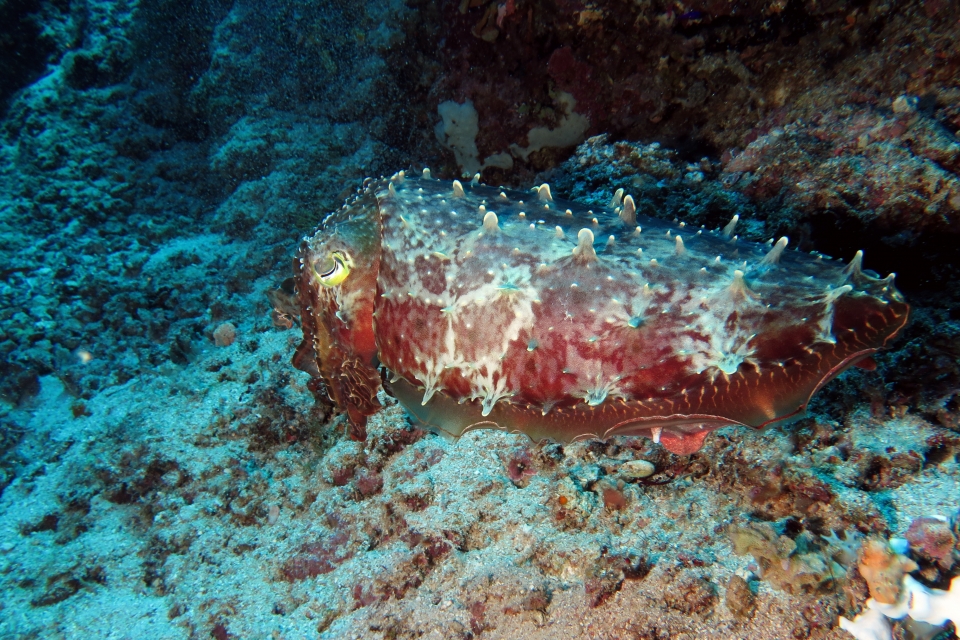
166	473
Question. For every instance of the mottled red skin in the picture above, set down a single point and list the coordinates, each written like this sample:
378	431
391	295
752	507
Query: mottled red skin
502	326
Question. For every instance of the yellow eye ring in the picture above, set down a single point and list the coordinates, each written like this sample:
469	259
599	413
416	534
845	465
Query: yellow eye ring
337	268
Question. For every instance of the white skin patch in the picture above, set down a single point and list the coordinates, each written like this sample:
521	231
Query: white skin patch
825	324
346	304
597	393
510	289
430	377
490	386
727	352
472	345
720	345
595	380
633	313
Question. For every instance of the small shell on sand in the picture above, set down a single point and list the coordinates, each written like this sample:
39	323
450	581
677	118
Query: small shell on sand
637	469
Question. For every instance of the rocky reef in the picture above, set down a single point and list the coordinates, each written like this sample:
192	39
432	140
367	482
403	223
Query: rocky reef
166	472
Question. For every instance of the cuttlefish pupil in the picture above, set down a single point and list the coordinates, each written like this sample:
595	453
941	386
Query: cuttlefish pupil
334	270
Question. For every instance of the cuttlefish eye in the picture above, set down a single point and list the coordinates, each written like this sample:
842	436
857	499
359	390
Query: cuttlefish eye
334	269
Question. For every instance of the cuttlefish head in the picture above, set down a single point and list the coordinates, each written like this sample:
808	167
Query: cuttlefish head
336	275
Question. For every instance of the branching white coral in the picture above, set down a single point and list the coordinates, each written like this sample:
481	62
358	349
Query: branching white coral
869	625
921	603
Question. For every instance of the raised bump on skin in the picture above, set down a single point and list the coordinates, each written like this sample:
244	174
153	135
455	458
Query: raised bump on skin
773	257
728	230
584	251
854	269
629	212
617	198
739	288
490	222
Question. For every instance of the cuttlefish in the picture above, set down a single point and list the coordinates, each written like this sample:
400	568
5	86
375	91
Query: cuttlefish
481	307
